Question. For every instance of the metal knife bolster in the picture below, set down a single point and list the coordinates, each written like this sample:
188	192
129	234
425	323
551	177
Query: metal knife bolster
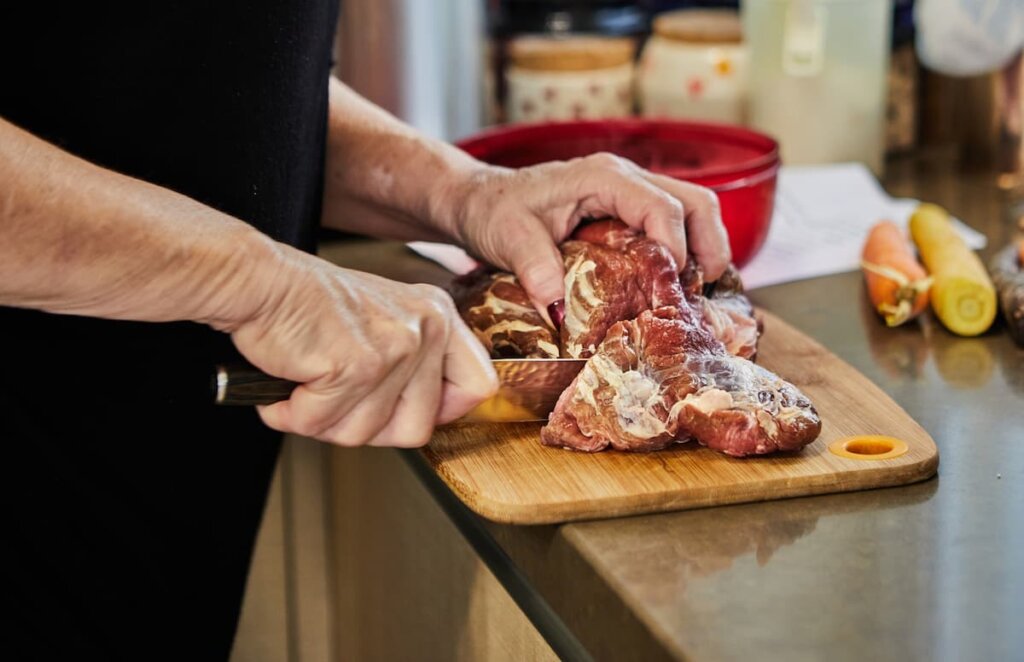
528	388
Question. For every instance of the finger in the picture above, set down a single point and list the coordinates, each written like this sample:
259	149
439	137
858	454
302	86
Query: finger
309	411
456	402
532	256
706	234
469	376
318	409
375	412
277	416
611	186
413	420
371	415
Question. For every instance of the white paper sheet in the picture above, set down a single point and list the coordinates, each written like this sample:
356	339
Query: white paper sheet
452	258
822	216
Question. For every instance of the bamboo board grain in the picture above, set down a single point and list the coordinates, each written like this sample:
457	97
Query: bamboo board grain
503	473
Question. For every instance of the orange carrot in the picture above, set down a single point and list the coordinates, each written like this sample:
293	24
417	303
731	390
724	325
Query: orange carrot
1020	252
897	283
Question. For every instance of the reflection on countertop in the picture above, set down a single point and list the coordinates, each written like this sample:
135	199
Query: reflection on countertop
746	573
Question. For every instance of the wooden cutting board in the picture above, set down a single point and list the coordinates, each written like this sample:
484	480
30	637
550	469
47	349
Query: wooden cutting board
503	473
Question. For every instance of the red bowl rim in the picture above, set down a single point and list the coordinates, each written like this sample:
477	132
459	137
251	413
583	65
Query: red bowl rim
757	168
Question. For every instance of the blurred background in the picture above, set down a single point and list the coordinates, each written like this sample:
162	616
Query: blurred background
870	105
832	80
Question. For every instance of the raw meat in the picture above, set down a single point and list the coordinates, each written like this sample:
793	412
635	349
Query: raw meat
500	314
730	316
667	359
616	279
664	378
613	274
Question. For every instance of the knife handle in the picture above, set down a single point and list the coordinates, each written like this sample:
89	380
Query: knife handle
243	384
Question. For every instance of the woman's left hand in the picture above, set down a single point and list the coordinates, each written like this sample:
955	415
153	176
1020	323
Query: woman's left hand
515	219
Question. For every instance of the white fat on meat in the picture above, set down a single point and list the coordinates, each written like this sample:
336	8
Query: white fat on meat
635	399
767	423
579	289
486	336
575	349
496	306
707	400
789	414
724	325
717	320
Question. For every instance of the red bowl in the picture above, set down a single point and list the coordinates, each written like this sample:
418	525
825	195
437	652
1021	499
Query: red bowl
740	165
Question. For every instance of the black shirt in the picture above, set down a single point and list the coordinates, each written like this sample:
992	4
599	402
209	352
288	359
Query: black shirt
129	501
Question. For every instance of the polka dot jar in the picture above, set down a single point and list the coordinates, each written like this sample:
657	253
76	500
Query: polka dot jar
565	78
694	67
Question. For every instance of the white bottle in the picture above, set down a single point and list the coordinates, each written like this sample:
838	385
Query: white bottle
817	77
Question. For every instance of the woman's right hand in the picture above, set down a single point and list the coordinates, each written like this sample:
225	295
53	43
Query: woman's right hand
379	362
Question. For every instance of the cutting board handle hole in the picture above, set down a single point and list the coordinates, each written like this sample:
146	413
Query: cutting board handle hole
868	447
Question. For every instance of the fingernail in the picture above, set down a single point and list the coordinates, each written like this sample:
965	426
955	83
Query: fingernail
556	311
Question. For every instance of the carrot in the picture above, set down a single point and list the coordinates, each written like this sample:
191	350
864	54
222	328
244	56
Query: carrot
897	284
1020	252
1008	277
963	297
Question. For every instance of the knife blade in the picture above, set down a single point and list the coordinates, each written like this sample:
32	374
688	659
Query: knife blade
527	388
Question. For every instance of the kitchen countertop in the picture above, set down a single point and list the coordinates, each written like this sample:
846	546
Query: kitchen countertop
929	571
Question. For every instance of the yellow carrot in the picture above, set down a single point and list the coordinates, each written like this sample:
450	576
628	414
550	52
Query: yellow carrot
962	294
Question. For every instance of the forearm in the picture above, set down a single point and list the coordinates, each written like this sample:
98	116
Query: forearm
78	239
385	179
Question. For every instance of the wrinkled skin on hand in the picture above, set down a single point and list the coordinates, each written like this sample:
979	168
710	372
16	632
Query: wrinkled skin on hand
379	362
515	219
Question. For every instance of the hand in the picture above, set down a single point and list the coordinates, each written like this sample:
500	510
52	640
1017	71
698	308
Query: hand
515	219
379	362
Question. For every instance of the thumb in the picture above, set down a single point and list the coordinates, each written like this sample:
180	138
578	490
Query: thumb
538	266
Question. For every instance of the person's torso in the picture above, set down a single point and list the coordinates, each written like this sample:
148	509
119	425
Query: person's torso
125	483
224	102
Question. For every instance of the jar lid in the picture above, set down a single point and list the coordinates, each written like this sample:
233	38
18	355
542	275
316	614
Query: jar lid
703	26
571	53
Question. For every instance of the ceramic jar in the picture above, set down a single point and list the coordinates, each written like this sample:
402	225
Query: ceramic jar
572	77
694	67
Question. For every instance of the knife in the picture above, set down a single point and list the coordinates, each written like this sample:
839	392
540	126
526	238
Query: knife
527	388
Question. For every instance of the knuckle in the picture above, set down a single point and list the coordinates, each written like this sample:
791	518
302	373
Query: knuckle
334	372
344	439
487	389
403	344
351	432
438	313
673	206
413	435
309	426
371	367
709	197
436	301
607	161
